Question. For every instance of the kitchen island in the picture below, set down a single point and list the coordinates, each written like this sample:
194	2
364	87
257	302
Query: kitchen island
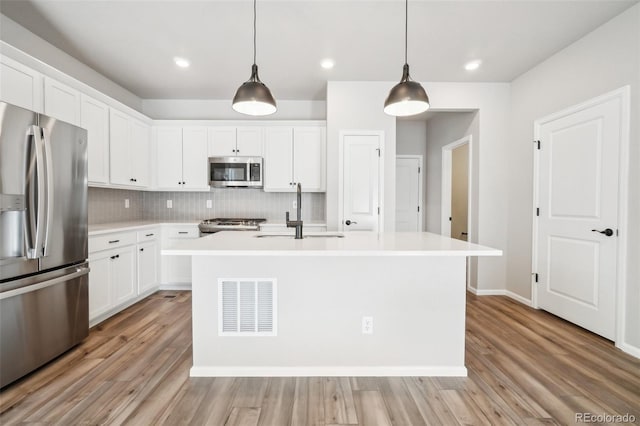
358	304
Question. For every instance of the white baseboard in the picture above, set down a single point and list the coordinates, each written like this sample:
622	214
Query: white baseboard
630	349
175	286
499	292
390	371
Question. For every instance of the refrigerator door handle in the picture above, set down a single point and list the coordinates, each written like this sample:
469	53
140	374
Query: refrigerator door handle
82	270
48	191
36	196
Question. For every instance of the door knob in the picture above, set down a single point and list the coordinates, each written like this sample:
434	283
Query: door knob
608	232
348	222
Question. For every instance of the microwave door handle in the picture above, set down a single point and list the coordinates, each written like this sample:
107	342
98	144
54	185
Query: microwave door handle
35	194
48	190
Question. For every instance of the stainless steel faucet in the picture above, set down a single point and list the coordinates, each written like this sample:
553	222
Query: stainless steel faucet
298	222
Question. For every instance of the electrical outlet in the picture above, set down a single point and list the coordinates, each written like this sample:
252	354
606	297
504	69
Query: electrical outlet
367	325
126	203
295	204
209	204
169	204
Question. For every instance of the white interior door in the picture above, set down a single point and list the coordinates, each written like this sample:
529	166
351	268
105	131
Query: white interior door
361	173
408	193
578	163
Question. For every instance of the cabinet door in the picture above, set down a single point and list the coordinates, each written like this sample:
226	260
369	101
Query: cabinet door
147	266
99	283
140	151
249	141
309	151
194	158
222	141
94	116
20	85
123	274
119	148
61	101
169	160
278	156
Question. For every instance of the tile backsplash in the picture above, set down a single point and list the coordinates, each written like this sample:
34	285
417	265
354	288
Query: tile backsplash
107	205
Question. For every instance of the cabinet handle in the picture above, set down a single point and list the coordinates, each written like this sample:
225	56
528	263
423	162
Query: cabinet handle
183	232
141	249
114	241
115	257
149	235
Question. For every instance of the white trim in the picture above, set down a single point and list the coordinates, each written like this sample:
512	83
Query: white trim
386	371
175	286
623	94
420	159
498	292
446	185
630	349
381	147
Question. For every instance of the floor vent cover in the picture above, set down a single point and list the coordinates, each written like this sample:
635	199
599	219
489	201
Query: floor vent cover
247	307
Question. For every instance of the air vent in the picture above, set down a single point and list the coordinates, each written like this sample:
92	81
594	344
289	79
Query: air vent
247	307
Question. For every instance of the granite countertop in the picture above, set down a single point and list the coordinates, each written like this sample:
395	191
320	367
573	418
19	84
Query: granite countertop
327	244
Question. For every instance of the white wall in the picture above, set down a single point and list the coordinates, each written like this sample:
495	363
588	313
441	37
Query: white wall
442	129
411	139
47	55
358	105
207	109
604	60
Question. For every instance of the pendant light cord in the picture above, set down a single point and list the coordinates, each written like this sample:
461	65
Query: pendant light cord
254	31
406	28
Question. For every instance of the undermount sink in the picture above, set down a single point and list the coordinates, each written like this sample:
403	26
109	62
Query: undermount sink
318	235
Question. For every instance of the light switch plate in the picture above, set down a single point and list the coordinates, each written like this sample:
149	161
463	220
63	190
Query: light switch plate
209	204
169	204
126	203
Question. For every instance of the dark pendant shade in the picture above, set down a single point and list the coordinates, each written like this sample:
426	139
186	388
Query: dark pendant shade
253	97
407	97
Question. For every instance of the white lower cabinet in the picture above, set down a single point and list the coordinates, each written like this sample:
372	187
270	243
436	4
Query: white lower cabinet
147	266
122	271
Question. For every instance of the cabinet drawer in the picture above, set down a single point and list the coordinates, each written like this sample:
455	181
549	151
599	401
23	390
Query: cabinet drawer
173	232
109	241
148	235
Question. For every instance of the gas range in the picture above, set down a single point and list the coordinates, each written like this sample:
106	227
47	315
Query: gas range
210	226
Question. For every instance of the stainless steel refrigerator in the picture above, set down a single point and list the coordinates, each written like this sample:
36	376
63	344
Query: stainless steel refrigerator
43	240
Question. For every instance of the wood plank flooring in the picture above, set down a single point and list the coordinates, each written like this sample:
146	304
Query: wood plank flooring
525	367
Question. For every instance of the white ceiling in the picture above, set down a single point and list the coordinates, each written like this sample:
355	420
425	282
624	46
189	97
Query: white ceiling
133	42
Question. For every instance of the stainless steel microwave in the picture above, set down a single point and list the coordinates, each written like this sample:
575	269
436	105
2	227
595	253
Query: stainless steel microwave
235	172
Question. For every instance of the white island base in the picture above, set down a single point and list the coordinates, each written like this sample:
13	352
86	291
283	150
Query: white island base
411	285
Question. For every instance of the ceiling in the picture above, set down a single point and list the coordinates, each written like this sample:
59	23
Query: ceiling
133	43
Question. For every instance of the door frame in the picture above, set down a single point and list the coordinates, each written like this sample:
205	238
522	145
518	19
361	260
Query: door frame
381	147
445	196
420	159
623	96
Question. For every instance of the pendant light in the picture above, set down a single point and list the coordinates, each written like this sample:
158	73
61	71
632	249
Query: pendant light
253	97
407	97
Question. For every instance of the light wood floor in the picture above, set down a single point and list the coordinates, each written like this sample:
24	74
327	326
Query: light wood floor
525	367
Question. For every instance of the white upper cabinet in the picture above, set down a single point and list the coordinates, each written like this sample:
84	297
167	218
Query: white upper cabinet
194	158
140	152
231	141
61	101
295	155
20	85
181	158
128	150
94	116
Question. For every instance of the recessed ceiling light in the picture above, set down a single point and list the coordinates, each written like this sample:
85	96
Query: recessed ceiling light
181	62
473	65
327	64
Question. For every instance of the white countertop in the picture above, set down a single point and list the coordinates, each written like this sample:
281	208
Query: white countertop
353	244
105	228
